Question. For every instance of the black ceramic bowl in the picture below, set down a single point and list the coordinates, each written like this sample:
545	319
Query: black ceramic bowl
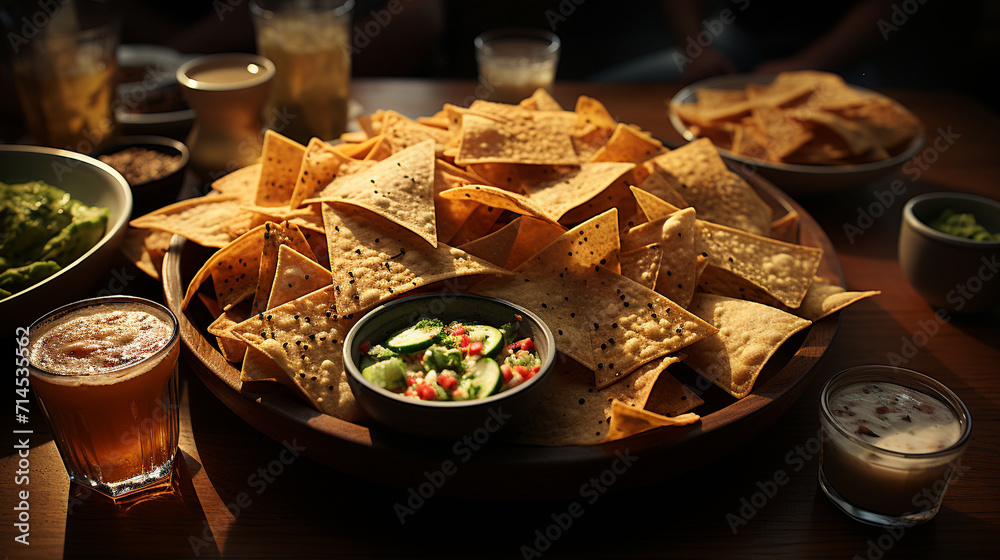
446	419
148	195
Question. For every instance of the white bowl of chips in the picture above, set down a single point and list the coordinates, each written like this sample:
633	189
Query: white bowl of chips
807	132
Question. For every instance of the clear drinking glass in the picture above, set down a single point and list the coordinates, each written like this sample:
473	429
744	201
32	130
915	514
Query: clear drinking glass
65	75
309	42
881	486
514	62
116	428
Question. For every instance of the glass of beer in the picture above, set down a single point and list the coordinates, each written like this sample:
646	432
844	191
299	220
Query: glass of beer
309	43
65	76
105	373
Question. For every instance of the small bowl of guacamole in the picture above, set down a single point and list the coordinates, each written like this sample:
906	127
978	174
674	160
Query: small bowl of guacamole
949	250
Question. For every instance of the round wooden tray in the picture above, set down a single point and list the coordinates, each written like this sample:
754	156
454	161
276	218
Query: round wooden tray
468	469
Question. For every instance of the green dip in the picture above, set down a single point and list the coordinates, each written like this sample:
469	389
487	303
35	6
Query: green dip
44	230
963	225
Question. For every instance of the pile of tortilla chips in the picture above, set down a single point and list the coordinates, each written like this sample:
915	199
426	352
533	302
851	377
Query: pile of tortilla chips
637	257
804	117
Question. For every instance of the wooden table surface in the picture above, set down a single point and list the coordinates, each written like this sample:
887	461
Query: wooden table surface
238	494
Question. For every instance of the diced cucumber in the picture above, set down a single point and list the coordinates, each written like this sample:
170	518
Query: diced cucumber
482	380
413	339
492	338
389	374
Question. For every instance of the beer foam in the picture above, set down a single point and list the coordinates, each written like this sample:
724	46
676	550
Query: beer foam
100	339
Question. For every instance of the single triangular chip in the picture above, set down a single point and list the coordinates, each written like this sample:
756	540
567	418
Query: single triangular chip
281	160
399	188
533	235
275	236
320	165
522	136
749	334
629	420
231	347
499	198
449	215
373	259
678	273
295	275
720	195
233	269
201	220
628	143
402	132
305	337
560	195
825	298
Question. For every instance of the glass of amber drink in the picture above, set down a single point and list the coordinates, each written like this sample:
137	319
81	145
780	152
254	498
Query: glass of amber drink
105	373
309	42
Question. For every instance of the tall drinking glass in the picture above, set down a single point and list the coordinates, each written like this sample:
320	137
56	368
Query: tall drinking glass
64	73
309	42
105	372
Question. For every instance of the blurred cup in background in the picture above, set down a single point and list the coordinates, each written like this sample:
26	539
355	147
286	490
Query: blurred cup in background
514	62
62	59
309	42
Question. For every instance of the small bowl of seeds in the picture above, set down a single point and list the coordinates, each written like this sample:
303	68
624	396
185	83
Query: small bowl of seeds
154	167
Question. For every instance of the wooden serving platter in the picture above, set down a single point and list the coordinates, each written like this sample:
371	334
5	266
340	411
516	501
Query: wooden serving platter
473	469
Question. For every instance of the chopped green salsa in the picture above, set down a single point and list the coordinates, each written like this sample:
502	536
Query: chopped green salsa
450	362
963	225
44	229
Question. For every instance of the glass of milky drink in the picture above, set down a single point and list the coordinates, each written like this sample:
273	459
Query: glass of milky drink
105	373
309	42
514	62
892	440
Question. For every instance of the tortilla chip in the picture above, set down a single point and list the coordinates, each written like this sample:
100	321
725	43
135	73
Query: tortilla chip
258	366
500	198
320	165
533	235
233	269
564	193
749	334
449	215
670	397
825	298
305	337
281	160
574	412
628	420
201	220
494	247
399	188
402	132
542	100
628	143
231	346
295	275
275	236
135	251
642	264
241	182
536	137
720	195
677	277
373	259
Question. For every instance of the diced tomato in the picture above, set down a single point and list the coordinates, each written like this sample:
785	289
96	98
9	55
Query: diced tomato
426	392
411	380
507	373
411	391
446	381
465	341
365	347
458	330
532	372
475	348
521	370
518	317
527	345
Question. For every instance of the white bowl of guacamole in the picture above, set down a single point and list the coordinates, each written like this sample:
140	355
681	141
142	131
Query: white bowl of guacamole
63	216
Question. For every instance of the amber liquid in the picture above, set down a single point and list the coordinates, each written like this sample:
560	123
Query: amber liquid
311	55
68	101
116	431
